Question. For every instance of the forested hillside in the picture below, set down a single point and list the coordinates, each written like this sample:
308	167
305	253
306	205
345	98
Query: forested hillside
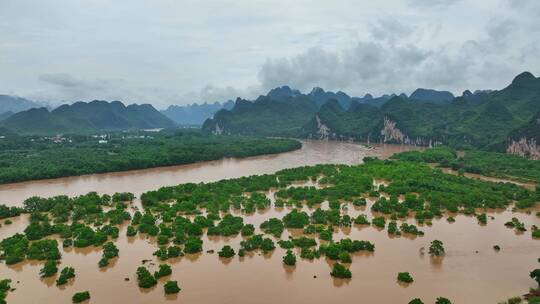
490	120
87	117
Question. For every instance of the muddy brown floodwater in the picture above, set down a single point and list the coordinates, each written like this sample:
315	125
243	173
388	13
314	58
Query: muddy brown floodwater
470	272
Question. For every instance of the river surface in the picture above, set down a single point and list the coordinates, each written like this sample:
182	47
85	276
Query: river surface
470	272
139	181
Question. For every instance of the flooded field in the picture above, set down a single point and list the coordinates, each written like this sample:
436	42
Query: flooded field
470	272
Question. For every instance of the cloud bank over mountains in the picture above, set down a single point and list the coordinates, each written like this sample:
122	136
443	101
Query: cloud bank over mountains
181	52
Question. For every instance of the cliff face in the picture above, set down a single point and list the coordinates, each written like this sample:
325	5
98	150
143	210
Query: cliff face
391	133
525	141
524	147
323	131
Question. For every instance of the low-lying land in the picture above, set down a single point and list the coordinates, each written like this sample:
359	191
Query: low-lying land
24	158
479	162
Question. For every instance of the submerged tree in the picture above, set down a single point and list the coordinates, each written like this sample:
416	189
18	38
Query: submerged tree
289	259
171	287
340	271
436	248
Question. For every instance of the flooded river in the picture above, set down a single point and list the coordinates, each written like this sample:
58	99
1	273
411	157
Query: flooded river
470	272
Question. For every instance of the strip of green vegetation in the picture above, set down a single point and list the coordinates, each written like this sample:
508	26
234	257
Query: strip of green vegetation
479	162
31	158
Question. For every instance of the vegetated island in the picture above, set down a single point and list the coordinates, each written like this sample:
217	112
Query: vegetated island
24	158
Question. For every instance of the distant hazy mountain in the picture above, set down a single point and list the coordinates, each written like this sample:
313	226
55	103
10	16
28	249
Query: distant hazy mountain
16	104
5	115
476	97
195	114
429	95
320	97
87	117
283	92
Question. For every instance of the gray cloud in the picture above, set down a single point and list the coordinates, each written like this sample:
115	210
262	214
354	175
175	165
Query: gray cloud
433	3
400	57
167	52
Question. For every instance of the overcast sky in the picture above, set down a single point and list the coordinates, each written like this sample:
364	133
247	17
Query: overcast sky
179	51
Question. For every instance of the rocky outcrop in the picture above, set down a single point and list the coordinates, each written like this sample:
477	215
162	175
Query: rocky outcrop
524	147
391	133
323	131
217	130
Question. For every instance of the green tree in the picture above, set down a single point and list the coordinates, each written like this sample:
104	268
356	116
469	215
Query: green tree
436	248
163	271
171	287
535	275
49	269
405	277
66	274
80	297
289	258
441	300
145	278
226	252
340	271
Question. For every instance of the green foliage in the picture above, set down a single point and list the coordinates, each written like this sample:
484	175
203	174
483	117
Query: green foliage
163	271
247	230
339	271
516	224
482	218
44	250
478	162
145	278
226	252
171	287
405	277
109	251
193	245
379	222
436	248
5	287
535	274
296	219
66	274
289	258
24	159
393	228
49	269
80	297
361	220
416	301
441	300
273	226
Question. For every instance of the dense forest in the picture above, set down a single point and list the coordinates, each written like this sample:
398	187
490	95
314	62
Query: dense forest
25	158
86	117
479	162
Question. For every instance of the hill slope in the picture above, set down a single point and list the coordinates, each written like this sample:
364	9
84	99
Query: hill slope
484	119
195	114
87	117
15	104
